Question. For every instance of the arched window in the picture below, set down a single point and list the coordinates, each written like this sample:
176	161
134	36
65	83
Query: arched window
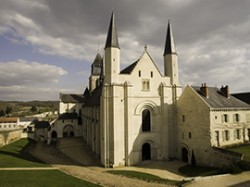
146	121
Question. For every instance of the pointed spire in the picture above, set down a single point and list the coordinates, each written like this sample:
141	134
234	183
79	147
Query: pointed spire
169	44
112	38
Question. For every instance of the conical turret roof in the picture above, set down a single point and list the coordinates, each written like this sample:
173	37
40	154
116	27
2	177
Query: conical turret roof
112	38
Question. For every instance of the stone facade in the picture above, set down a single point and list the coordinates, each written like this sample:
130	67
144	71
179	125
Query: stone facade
209	119
138	113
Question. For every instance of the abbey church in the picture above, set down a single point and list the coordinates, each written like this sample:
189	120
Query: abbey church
137	113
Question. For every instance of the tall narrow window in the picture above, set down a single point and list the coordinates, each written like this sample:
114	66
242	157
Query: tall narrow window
146	121
139	73
236	117
225	118
152	74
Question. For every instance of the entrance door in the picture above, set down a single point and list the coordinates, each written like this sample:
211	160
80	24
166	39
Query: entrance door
146	151
184	153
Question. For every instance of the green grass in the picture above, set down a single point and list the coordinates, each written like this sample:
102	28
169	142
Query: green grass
245	149
193	171
48	178
145	177
15	155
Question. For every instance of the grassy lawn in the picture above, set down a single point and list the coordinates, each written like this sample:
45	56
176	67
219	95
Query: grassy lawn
145	177
14	155
48	178
193	171
245	149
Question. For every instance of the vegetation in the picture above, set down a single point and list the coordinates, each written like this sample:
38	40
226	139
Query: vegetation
245	149
41	178
15	155
242	165
20	109
145	177
194	171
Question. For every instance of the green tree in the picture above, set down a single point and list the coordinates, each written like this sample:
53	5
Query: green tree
33	109
2	113
8	110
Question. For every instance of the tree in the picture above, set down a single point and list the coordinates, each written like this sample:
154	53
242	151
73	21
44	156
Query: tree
2	113
33	109
8	110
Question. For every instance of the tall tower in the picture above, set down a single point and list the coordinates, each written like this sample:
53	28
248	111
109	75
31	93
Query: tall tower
170	58
112	54
96	72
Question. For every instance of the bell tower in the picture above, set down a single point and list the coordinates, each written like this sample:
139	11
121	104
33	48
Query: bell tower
171	58
112	54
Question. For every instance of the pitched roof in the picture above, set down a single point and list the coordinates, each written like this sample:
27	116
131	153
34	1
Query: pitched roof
130	68
94	98
72	98
216	99
243	97
68	116
112	38
169	44
41	124
9	119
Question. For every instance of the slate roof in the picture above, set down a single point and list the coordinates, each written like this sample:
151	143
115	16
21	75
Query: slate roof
68	116
41	124
72	98
129	69
243	97
169	43
94	98
217	100
112	38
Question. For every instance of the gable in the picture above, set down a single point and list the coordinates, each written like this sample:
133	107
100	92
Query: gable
145	65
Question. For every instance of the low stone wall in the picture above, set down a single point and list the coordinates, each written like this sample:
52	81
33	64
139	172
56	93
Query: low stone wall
7	137
223	158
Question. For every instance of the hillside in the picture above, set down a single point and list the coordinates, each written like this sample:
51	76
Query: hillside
21	108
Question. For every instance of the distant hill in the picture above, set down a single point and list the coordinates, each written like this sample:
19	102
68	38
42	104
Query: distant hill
23	108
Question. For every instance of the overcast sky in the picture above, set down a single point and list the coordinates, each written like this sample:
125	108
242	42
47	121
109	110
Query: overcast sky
47	46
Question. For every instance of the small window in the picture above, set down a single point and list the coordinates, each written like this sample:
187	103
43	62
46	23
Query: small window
183	118
63	121
215	117
152	74
189	135
139	73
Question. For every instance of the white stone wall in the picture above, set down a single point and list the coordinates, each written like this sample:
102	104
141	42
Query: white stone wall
230	132
193	126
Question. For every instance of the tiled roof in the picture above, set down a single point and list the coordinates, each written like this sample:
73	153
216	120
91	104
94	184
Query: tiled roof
72	98
9	119
112	38
129	69
216	99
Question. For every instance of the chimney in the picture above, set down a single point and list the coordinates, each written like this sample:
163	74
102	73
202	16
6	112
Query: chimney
225	91
204	90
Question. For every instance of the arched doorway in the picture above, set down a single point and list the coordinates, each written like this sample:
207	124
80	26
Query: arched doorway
146	151
184	154
68	131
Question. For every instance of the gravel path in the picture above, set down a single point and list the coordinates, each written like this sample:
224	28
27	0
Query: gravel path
92	174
